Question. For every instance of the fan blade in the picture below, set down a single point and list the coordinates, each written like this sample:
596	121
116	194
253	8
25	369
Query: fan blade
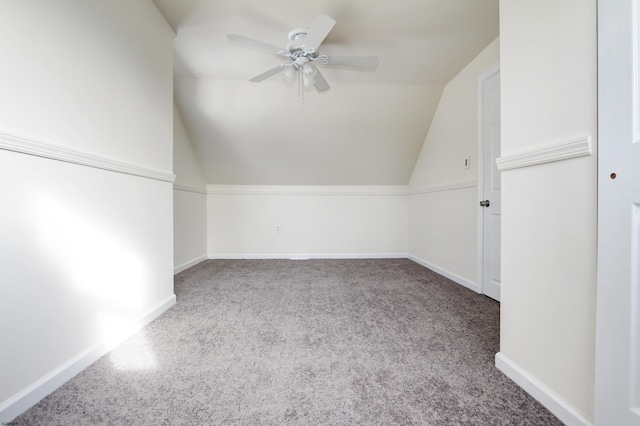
254	43
370	62
320	84
268	74
320	28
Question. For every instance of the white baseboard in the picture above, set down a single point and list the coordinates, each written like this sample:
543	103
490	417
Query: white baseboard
28	397
306	256
453	277
565	412
189	264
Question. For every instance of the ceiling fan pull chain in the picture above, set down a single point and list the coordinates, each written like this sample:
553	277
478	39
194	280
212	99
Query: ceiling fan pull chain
300	88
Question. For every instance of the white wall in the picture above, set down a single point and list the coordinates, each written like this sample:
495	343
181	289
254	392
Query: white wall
57	56
353	221
332	221
189	201
328	140
443	201
86	172
548	74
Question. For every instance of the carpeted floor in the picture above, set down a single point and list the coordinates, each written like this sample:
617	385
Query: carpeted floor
317	342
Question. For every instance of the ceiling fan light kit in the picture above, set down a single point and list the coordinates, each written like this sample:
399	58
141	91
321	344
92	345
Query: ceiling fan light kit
302	51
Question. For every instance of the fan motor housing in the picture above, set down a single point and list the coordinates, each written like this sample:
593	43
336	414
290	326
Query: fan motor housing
296	42
298	34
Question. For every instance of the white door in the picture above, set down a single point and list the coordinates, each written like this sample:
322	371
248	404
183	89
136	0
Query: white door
490	200
617	396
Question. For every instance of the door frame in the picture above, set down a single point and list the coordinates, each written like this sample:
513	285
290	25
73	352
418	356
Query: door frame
480	164
612	308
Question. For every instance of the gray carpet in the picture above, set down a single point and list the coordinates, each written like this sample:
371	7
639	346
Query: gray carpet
318	342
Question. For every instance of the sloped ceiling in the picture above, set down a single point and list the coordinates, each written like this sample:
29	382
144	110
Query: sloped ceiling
366	130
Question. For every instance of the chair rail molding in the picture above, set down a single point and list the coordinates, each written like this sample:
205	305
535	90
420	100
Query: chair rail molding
453	186
49	150
189	188
563	150
330	190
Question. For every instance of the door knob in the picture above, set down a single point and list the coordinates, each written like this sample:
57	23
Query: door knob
485	203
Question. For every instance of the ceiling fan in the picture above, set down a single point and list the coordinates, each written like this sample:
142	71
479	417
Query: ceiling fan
302	51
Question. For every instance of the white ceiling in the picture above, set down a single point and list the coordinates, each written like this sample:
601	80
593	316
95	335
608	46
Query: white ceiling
366	130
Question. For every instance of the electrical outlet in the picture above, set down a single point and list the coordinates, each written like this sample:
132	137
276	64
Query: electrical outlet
277	229
433	237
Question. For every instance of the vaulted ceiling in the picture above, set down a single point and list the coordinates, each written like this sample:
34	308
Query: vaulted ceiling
366	130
